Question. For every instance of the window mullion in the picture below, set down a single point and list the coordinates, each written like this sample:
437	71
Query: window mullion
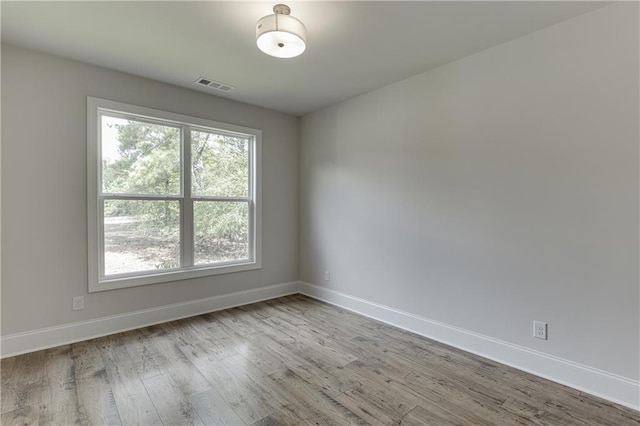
187	202
140	197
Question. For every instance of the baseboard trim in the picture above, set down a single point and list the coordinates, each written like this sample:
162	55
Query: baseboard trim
612	387
30	341
609	386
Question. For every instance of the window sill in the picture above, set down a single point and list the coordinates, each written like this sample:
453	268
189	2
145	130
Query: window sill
106	284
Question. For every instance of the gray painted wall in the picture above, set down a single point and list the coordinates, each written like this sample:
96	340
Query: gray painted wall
491	192
44	224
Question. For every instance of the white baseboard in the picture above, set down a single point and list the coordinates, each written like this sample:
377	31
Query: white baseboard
30	341
612	387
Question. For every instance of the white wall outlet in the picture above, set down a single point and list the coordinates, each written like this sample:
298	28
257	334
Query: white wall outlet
327	276
540	330
78	303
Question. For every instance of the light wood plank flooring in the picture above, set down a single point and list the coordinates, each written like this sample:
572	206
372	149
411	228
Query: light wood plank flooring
292	360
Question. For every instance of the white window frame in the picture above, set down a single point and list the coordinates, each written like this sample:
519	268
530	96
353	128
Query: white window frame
97	280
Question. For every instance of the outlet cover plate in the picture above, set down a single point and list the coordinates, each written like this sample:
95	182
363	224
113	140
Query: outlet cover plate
78	303
540	330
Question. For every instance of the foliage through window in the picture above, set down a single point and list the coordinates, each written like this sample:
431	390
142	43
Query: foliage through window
170	196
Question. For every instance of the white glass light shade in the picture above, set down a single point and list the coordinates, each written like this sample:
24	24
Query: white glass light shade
282	36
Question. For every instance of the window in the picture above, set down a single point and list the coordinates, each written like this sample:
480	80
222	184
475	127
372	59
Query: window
170	197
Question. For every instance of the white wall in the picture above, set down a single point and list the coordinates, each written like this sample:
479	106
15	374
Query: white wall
44	224
491	192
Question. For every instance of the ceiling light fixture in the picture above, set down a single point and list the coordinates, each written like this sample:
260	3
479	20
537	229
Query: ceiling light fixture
281	35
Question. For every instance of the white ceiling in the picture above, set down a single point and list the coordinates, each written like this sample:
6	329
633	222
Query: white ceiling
353	47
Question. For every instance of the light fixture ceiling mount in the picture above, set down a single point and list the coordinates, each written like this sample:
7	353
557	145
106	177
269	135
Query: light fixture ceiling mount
281	35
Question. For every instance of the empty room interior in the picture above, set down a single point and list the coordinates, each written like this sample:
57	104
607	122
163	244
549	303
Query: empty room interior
366	212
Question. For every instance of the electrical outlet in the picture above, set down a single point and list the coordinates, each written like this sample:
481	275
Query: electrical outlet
540	330
327	276
78	303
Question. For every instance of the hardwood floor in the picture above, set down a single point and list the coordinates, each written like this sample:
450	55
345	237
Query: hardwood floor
292	360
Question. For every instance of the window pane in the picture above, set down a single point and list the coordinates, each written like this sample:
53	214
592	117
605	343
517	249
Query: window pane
141	236
220	165
140	158
221	231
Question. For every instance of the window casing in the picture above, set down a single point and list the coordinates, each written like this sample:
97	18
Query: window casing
170	197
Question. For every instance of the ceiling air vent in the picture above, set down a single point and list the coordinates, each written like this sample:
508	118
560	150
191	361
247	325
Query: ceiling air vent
223	87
